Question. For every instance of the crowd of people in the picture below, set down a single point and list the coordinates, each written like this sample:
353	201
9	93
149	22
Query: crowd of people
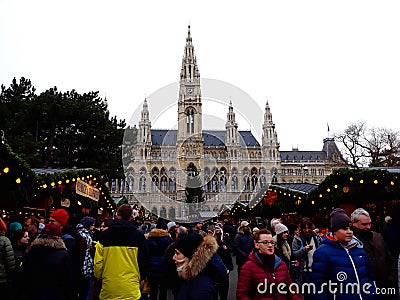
125	258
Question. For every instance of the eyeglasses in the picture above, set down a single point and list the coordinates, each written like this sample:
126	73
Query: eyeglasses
271	243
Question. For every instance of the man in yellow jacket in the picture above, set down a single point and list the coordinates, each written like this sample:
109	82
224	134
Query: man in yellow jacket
120	259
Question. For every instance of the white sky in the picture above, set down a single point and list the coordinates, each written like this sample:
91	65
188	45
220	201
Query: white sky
317	62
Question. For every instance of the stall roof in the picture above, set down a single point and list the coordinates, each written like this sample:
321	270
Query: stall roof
41	171
296	187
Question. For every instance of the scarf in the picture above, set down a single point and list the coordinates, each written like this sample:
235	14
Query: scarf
88	265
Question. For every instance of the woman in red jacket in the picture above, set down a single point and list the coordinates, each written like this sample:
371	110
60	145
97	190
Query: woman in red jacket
265	275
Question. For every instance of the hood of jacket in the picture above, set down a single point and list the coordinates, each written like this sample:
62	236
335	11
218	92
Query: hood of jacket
200	258
255	257
330	239
158	232
47	241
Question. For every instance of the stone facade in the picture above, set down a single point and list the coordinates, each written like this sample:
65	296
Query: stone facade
230	164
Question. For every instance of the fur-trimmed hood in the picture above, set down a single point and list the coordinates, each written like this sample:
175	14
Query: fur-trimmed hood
203	254
48	241
158	232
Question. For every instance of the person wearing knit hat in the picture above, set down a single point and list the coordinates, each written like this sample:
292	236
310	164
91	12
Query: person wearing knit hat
280	228
85	245
46	272
225	247
282	246
170	225
339	219
88	222
342	260
199	265
59	216
51	229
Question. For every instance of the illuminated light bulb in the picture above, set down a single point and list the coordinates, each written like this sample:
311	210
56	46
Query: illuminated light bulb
67	181
320	195
328	190
59	182
45	186
73	179
351	178
361	181
53	183
79	202
18	180
391	183
312	202
6	170
79	178
376	181
335	186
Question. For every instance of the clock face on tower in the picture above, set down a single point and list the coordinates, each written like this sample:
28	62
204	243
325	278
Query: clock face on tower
189	91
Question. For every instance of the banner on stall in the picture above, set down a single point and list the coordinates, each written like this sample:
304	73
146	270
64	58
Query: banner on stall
86	190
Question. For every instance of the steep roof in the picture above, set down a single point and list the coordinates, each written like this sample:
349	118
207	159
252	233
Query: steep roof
167	137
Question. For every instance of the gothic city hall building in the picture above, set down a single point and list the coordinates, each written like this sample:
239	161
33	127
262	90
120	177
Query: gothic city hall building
192	172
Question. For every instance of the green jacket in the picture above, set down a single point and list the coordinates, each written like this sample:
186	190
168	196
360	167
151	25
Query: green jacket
7	262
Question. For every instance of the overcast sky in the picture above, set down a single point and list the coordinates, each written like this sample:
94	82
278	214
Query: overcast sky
316	62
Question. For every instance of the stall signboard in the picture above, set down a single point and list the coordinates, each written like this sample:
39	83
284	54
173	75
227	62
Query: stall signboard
86	190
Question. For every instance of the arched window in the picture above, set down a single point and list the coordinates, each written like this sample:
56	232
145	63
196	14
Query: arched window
222	183
172	185
171	213
163	212
142	184
214	184
234	183
155	183
164	184
207	184
190	121
154	211
254	181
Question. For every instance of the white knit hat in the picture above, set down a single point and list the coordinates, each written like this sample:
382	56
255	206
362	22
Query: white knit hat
279	228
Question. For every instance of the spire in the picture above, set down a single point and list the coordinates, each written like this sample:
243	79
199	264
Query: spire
231	127
145	112
270	136
267	114
189	72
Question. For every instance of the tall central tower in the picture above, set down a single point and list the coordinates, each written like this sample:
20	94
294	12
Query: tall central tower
189	140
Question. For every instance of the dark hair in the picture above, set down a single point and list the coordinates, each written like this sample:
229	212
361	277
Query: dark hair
34	221
125	212
107	222
260	232
306	222
19	234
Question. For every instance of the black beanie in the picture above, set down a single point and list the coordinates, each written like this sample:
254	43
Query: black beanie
187	244
339	219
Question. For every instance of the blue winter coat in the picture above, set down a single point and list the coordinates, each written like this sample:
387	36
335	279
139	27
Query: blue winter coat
157	242
340	266
201	274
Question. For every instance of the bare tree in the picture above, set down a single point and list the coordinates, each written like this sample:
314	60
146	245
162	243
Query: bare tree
352	140
374	147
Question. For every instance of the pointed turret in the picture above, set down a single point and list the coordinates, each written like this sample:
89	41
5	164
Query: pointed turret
270	142
144	134
189	102
231	126
189	72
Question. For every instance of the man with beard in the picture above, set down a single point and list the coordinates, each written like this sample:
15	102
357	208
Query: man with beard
243	244
383	268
